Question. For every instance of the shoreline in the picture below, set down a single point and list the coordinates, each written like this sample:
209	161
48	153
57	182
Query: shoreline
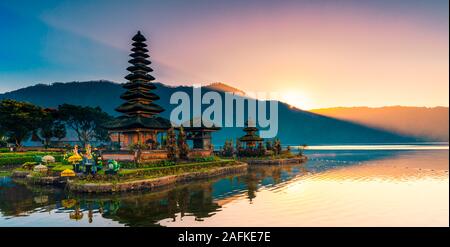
282	161
152	183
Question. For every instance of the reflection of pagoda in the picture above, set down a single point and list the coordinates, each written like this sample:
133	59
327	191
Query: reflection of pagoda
158	208
251	138
139	122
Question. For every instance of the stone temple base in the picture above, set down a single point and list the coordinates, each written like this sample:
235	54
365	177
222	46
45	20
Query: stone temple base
149	155
152	183
296	160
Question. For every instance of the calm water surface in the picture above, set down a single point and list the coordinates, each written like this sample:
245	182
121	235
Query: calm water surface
359	186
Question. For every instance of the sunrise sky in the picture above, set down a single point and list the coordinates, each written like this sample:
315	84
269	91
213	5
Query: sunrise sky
315	53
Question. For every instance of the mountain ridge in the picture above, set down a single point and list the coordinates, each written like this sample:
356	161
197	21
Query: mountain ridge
295	126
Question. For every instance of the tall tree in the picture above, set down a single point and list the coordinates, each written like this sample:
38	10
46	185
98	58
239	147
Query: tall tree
277	146
3	139
171	145
86	121
18	120
51	126
182	144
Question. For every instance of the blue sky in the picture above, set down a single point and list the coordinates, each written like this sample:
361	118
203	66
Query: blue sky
50	41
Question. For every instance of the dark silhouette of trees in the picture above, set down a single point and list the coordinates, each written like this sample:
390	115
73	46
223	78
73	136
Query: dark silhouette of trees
182	145
86	121
268	145
277	147
171	145
228	149
51	127
18	120
261	149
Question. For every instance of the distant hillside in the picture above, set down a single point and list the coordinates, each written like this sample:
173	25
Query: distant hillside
295	126
430	123
221	87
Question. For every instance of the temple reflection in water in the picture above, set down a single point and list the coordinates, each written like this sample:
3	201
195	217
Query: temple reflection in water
333	188
199	200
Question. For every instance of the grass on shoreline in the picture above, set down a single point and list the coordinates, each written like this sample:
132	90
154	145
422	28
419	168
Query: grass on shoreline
126	175
272	157
130	172
18	158
5	173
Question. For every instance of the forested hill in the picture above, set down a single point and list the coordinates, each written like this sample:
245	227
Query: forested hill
295	126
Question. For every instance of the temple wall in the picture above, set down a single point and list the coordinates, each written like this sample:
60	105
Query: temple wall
153	155
200	153
118	156
127	139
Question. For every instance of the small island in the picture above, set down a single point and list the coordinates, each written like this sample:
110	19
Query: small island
254	150
147	151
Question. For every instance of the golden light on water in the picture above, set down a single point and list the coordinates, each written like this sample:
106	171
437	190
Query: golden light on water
407	190
334	188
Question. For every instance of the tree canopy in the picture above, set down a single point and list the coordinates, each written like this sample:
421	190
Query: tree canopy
19	119
51	126
86	121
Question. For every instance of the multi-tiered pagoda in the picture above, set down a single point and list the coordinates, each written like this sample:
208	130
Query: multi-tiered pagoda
139	123
251	138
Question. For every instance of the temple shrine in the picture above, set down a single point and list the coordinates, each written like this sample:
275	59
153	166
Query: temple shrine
139	122
251	138
140	126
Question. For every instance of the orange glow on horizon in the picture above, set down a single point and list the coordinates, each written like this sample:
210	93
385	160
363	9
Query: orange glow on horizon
344	55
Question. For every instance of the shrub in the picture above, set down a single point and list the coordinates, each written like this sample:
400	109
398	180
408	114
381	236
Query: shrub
139	146
129	164
18	158
182	145
15	160
175	169
204	159
164	163
228	149
48	159
172	148
29	165
160	163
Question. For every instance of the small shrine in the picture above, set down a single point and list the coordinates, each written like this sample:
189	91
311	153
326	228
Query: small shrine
200	135
251	138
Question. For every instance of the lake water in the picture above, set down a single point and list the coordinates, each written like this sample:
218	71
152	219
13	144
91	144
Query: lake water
366	185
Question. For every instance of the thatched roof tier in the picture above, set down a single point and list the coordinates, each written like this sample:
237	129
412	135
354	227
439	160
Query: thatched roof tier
139	44
250	129
250	138
139	68
139	85
137	55
139	95
139	37
138	108
146	77
138	50
139	60
135	122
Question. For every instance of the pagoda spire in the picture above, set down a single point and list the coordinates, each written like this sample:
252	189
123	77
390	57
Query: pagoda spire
139	98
